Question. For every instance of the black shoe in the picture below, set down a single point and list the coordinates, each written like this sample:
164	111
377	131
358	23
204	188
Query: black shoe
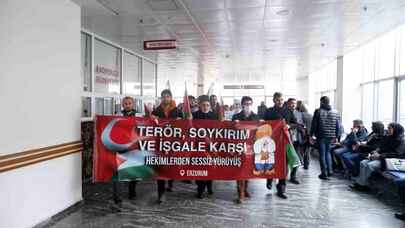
169	189
132	195
323	177
329	174
294	181
210	192
269	184
199	195
282	195
306	167
118	201
238	201
360	188
400	216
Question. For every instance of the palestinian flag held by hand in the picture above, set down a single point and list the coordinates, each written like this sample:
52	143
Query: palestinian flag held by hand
186	104
292	157
131	165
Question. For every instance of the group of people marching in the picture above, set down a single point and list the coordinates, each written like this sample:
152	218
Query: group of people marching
321	131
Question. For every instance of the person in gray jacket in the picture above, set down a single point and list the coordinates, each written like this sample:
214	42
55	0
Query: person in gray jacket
326	129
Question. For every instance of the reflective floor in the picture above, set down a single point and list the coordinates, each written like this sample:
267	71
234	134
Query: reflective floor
313	203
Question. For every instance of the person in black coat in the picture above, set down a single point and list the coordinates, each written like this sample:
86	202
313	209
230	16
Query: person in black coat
278	112
166	110
204	113
245	115
128	110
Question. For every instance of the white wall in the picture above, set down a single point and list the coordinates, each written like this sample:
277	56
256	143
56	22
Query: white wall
303	89
40	87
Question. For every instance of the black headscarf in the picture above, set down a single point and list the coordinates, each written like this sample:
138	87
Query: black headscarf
398	130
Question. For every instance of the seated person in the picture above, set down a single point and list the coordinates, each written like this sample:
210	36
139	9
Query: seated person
390	148
361	149
358	134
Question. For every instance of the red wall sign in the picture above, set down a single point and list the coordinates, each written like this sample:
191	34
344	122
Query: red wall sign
159	44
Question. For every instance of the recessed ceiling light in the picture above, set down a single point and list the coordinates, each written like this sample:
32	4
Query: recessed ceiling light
283	12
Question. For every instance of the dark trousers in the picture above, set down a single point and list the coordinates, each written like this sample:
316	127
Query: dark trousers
400	183
162	187
304	153
293	174
281	186
117	190
202	184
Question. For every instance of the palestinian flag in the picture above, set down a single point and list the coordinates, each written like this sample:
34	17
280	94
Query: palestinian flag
132	164
292	157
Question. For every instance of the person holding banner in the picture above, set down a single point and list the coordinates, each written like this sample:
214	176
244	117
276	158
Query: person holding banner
204	113
166	110
278	112
245	115
128	110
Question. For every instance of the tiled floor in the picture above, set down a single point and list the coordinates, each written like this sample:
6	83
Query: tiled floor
313	203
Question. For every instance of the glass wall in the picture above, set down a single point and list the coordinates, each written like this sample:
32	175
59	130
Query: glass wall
107	68
133	74
149	78
111	72
323	83
382	66
401	102
86	61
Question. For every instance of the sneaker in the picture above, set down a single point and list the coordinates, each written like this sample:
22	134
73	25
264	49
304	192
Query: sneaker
323	177
282	195
360	188
269	185
169	189
199	195
294	181
210	192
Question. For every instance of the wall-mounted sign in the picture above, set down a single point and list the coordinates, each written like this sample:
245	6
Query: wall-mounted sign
243	86
159	44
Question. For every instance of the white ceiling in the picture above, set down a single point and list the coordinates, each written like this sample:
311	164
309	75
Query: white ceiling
242	40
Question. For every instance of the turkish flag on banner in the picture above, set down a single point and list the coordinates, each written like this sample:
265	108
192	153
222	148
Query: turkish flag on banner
129	148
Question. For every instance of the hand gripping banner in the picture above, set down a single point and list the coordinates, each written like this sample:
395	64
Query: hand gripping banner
129	148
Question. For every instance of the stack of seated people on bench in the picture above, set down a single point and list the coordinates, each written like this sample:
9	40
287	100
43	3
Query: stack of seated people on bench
382	152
